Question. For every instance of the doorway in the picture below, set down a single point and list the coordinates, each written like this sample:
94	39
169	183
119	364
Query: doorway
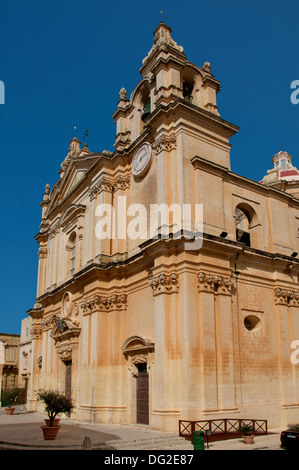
142	394
68	379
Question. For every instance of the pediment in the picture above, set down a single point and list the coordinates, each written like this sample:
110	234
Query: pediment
71	214
137	343
70	178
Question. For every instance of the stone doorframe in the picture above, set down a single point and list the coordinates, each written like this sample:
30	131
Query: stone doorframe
66	333
137	350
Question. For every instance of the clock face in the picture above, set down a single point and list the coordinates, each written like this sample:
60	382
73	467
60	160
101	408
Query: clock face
142	160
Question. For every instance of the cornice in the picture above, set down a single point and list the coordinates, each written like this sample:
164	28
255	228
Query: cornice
156	247
201	163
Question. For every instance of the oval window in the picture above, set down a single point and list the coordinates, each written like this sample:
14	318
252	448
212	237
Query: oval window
251	322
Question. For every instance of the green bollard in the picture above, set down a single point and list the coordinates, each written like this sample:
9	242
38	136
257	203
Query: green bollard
198	440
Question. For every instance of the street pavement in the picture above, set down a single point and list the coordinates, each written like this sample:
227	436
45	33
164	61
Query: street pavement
22	431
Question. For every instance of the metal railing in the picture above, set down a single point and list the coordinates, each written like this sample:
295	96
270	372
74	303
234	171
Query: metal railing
221	429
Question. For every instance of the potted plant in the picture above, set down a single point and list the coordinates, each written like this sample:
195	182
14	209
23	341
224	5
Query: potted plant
55	403
10	396
247	431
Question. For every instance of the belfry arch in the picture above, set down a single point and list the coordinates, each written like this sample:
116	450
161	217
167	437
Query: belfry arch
247	225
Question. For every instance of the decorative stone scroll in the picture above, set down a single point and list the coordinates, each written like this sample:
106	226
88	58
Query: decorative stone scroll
104	304
165	143
164	284
287	297
215	284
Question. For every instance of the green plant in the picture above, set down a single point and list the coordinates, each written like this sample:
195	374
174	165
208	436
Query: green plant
55	403
10	396
246	429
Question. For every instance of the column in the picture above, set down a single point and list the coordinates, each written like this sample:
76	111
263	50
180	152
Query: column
225	345
166	375
283	301
35	365
215	310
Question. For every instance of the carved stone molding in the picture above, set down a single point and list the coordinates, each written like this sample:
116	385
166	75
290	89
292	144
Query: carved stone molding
287	297
65	353
36	332
164	284
122	140
165	143
47	323
109	185
138	350
121	182
104	304
215	284
42	252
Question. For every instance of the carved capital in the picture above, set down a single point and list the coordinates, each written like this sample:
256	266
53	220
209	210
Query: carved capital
215	284
164	284
286	297
104	304
93	192
47	323
105	184
164	143
42	252
121	182
36	332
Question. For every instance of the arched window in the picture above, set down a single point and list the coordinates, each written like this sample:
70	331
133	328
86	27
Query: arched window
145	101
242	227
71	247
247	225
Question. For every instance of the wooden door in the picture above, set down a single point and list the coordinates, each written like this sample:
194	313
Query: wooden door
142	398
68	379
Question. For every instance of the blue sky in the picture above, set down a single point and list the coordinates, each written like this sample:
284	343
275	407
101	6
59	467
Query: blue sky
63	64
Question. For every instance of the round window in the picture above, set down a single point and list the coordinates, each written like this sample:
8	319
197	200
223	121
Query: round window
251	322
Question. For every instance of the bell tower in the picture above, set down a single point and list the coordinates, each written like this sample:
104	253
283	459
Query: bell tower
186	96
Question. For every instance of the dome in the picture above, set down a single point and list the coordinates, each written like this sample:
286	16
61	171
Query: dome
283	170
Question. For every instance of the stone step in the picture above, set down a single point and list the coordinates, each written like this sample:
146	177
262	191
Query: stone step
147	444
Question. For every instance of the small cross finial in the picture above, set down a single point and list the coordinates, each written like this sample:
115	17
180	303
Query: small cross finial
85	137
163	14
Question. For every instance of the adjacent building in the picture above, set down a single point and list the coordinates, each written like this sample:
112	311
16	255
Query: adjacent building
145	311
25	356
9	361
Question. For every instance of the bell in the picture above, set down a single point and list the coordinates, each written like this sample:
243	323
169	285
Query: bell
146	110
187	92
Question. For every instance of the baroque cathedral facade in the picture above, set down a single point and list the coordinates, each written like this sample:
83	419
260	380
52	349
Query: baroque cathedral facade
150	328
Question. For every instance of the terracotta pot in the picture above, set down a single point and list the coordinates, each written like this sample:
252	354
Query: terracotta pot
55	422
248	439
9	411
50	432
